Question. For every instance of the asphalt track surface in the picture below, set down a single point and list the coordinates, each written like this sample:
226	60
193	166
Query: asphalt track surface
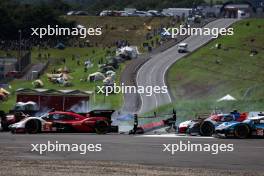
128	76
153	72
147	150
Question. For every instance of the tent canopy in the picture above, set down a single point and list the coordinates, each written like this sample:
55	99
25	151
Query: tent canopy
226	98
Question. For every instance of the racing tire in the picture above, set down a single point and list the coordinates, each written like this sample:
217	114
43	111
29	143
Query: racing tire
33	126
207	128
13	131
101	127
242	131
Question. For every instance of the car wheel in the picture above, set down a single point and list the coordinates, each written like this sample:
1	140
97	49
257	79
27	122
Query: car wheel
101	127
33	126
13	131
207	128
242	131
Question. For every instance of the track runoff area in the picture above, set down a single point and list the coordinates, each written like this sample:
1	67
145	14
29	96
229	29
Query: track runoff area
161	147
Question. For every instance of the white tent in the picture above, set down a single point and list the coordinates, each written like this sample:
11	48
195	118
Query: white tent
131	51
79	26
226	98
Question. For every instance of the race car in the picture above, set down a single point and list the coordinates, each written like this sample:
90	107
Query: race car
254	126
9	119
97	121
148	127
206	126
20	111
190	126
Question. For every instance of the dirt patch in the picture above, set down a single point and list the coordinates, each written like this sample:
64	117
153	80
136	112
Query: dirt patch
89	168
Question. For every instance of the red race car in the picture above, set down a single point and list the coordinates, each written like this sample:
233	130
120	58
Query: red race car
97	121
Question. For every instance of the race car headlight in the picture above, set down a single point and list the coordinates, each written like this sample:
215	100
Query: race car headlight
12	126
15	125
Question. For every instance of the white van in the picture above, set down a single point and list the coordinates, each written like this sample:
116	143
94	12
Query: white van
182	47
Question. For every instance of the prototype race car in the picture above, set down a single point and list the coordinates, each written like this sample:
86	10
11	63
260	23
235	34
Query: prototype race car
206	126
148	127
254	126
98	121
20	111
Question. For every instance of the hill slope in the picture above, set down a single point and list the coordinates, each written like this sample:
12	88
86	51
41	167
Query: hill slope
197	81
118	28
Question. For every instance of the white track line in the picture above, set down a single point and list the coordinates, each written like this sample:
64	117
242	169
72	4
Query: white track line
174	136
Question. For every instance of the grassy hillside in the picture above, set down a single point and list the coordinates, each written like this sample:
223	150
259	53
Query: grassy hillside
77	73
197	81
132	29
99	5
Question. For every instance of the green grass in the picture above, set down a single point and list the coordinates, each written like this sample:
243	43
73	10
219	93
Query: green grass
199	80
131	29
77	72
189	109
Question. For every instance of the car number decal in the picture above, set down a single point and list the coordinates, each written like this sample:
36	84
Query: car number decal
48	127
